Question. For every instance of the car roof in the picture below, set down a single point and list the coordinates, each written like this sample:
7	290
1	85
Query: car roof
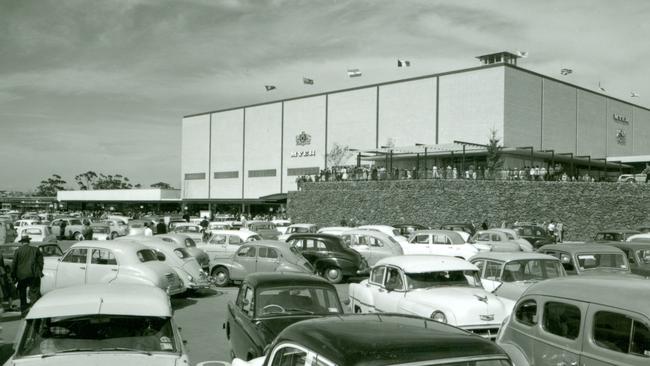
629	244
435	231
244	233
315	235
619	231
302	225
512	256
115	299
376	233
581	248
124	243
374	339
285	279
427	263
624	292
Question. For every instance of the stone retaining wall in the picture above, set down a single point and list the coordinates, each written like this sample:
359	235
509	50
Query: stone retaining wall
583	208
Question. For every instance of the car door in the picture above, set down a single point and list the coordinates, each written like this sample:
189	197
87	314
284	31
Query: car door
234	242
54	226
239	321
387	301
246	256
103	266
419	244
216	248
361	244
268	259
71	270
561	334
442	245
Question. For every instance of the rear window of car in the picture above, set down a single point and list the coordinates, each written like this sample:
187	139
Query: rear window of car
146	255
182	253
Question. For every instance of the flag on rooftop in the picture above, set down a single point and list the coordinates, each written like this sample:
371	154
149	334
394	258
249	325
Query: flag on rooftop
522	54
405	63
353	73
634	95
269	87
307	81
566	71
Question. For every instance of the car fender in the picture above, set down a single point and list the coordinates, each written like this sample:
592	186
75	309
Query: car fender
360	296
407	306
516	355
236	271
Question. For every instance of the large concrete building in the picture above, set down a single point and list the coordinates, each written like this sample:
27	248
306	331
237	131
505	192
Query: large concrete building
247	153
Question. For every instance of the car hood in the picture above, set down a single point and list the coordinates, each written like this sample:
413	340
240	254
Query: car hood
102	359
466	305
271	327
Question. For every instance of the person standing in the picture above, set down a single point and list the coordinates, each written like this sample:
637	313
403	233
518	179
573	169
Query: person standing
147	230
161	228
62	226
87	231
3	235
484	225
27	270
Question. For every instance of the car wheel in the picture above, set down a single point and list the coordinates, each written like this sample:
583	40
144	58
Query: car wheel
78	236
333	274
220	276
113	235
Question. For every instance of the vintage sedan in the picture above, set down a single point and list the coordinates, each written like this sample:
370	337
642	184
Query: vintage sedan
38	233
298	229
513	235
373	245
118	227
439	242
509	274
190	245
47	249
73	227
329	256
638	255
194	231
377	340
582	259
445	289
258	256
493	241
224	243
592	321
101	231
265	229
614	235
101	324
386	229
114	261
536	235
269	302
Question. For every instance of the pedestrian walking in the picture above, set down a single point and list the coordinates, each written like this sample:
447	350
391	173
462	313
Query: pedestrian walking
87	231
27	271
147	230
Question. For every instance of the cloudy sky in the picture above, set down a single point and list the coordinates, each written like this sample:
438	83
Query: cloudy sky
103	85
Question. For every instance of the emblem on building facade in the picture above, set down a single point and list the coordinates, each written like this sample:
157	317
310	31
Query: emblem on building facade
620	136
303	139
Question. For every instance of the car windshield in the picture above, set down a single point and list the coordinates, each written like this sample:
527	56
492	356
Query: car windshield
531	270
147	255
296	300
602	260
97	333
467	278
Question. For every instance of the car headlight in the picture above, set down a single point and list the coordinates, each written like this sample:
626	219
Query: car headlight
439	316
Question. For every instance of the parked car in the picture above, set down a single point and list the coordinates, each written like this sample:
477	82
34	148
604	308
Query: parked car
593	321
298	229
218	225
333	230
639	238
281	225
467	227
101	231
269	302
439	242
190	245
406	230
509	274
100	324
118	227
38	233
388	230
441	288
536	235
373	245
638	255
115	261
258	256
10	231
47	249
194	231
73	228
329	256
633	178
118	217
265	229
614	235
512	235
26	222
378	340
178	258
493	241
173	222
136	227
581	259
224	243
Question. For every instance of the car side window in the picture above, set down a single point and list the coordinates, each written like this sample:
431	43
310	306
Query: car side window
561	319
441	239
495	237
103	257
421	239
246	252
619	333
394	279
247	303
526	312
374	242
77	255
483	237
492	270
264	252
480	264
289	356
377	276
347	239
218	239
233	239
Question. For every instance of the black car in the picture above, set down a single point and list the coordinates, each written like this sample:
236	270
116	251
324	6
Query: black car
463	226
614	235
406	230
329	255
269	302
638	254
381	340
536	235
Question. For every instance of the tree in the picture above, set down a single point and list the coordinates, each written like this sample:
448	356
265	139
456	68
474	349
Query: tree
337	155
116	181
161	185
87	180
50	186
494	158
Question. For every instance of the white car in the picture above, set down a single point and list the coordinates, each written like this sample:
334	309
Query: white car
224	243
334	230
118	227
101	324
388	230
92	261
372	245
190	245
513	235
439	242
445	289
281	225
298	229
194	231
25	222
37	233
494	241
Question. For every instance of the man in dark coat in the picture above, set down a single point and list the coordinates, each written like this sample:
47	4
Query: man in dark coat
161	228
27	270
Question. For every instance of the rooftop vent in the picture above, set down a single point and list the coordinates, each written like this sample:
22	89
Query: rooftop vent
499	57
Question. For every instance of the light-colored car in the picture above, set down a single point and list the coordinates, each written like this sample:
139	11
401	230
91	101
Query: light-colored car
265	229
589	259
136	227
118	227
298	229
114	261
388	230
510	274
194	231
372	245
190	245
439	242
101	231
101	324
493	241
26	222
593	321
334	230
219	225
513	235
259	256
445	289
639	238
73	228
633	178
224	243
37	233
281	225
179	259
122	218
